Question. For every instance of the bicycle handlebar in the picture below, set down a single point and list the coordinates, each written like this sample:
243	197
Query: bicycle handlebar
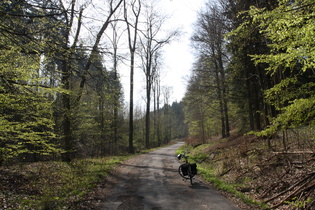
182	155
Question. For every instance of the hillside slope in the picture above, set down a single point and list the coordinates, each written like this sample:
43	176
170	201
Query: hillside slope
260	173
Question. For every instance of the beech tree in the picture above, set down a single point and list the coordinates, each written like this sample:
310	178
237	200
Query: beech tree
26	115
132	41
290	31
47	52
202	112
248	81
68	62
210	44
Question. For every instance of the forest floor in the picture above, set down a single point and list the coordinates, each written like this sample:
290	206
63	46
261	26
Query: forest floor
55	185
247	168
273	177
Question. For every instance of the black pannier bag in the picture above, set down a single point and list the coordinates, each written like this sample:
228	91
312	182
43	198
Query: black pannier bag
184	169
193	168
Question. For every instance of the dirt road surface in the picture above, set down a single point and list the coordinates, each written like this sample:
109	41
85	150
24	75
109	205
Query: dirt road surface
151	181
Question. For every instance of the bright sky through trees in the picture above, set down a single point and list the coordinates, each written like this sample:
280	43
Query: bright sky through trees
177	56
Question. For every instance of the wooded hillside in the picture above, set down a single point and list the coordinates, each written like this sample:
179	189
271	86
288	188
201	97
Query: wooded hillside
254	70
61	96
253	87
60	90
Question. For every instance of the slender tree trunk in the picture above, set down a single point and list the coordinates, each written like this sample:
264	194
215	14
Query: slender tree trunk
147	118
132	49
170	126
131	149
155	112
219	92
249	102
65	80
224	93
158	112
102	150
67	131
116	100
201	113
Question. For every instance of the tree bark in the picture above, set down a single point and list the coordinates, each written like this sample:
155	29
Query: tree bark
132	49
131	129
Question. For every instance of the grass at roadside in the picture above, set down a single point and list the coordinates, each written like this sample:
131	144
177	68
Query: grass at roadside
52	185
55	185
209	172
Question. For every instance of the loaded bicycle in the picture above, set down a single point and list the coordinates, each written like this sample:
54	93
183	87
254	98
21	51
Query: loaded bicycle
187	170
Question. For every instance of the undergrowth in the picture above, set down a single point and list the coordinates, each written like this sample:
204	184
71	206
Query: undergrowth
277	173
52	185
209	172
55	185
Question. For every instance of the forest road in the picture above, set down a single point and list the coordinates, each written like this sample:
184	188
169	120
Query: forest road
151	181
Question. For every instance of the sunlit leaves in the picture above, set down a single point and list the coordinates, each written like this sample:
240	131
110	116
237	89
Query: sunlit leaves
26	123
298	112
289	30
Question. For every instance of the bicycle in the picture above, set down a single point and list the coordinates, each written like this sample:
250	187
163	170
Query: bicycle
187	170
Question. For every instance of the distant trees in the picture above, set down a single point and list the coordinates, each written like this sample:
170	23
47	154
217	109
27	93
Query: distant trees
151	42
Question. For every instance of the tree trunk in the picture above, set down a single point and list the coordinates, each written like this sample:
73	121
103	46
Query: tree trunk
116	98
224	93
158	116
67	131
249	102
219	92
147	116
132	49
131	149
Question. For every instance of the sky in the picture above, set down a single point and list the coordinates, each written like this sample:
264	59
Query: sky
178	56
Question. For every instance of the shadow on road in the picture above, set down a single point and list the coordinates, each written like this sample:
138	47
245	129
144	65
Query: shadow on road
150	167
198	186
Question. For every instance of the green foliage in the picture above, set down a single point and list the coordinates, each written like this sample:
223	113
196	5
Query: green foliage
184	148
26	124
208	175
299	112
26	115
298	204
207	170
38	69
198	155
289	33
55	185
201	110
291	29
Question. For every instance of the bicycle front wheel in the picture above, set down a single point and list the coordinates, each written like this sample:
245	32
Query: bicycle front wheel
190	174
191	180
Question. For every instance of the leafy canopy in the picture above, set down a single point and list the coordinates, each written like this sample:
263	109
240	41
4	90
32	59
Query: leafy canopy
289	30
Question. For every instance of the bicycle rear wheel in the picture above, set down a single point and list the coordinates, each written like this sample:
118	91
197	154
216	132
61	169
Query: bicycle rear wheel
183	172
